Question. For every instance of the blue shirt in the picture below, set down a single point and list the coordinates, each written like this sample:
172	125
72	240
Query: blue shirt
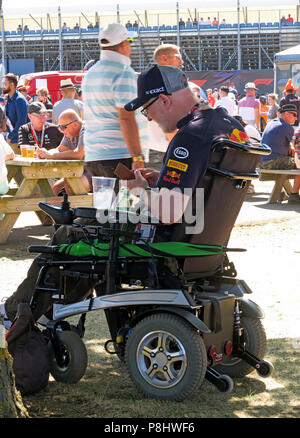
107	86
16	110
277	135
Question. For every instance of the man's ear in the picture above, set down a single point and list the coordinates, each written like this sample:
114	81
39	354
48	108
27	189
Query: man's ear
165	100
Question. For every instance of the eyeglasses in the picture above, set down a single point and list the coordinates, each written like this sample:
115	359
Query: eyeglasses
39	116
293	114
144	110
178	56
63	127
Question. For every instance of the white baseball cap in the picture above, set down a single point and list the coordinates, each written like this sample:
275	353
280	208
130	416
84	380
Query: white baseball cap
114	33
250	85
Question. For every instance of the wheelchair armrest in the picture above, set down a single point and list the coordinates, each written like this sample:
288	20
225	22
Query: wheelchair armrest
61	214
43	249
260	149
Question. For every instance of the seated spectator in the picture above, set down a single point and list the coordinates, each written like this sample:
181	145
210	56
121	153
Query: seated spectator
76	27
201	21
6	153
195	22
208	21
289	19
64	28
19	28
38	132
278	135
128	25
26	28
251	131
135	25
215	22
273	111
181	22
283	20
70	148
223	21
90	26
189	22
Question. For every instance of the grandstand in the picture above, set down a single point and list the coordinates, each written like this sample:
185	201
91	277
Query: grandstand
247	41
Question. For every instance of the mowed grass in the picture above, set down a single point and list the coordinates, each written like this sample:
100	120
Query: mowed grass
106	390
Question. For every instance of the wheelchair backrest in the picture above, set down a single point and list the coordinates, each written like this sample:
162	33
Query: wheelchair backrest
230	171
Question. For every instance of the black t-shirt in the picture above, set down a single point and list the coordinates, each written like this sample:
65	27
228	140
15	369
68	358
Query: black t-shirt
188	153
52	136
294	100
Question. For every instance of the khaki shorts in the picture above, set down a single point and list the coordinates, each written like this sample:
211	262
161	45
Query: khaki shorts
284	163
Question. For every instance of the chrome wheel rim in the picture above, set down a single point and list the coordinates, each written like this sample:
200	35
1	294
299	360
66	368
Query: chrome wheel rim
161	359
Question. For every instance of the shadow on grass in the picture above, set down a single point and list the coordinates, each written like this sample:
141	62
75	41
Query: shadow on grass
106	390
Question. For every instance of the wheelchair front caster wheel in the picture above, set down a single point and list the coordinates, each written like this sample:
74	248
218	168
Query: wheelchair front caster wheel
69	364
225	384
265	368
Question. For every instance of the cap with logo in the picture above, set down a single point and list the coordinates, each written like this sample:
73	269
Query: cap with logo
36	108
288	107
159	79
250	85
66	83
114	34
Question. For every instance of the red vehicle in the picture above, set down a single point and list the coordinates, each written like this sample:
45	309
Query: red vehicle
51	81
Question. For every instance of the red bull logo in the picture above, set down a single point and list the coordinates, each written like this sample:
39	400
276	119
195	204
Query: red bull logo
238	136
172	177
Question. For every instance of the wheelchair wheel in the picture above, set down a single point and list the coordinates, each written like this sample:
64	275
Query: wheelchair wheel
166	357
70	365
256	342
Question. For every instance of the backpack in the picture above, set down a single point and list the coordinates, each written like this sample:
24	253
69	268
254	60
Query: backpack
28	347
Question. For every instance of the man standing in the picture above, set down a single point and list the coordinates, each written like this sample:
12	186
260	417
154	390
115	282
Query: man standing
249	106
165	54
291	98
168	54
68	101
111	133
38	132
225	101
278	135
16	110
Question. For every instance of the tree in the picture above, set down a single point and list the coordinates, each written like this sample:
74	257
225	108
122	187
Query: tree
11	404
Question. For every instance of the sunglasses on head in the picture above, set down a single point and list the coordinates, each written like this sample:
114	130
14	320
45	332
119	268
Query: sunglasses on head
130	40
63	127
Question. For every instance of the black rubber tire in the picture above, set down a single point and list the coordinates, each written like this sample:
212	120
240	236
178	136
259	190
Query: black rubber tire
182	361
228	384
266	369
256	343
75	358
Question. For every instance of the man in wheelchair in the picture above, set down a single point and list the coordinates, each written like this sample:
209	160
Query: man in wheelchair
164	95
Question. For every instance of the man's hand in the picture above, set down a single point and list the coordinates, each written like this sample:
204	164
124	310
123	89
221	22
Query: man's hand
138	182
137	165
42	153
150	175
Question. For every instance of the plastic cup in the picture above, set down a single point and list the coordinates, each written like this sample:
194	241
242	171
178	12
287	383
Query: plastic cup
30	151
103	192
24	151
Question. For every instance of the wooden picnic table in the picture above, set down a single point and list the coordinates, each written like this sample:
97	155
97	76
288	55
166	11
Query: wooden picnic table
281	178
32	177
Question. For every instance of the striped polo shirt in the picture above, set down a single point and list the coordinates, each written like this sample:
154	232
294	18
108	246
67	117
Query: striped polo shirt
107	86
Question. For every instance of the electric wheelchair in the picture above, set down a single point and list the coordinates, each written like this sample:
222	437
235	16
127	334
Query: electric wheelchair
176	311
